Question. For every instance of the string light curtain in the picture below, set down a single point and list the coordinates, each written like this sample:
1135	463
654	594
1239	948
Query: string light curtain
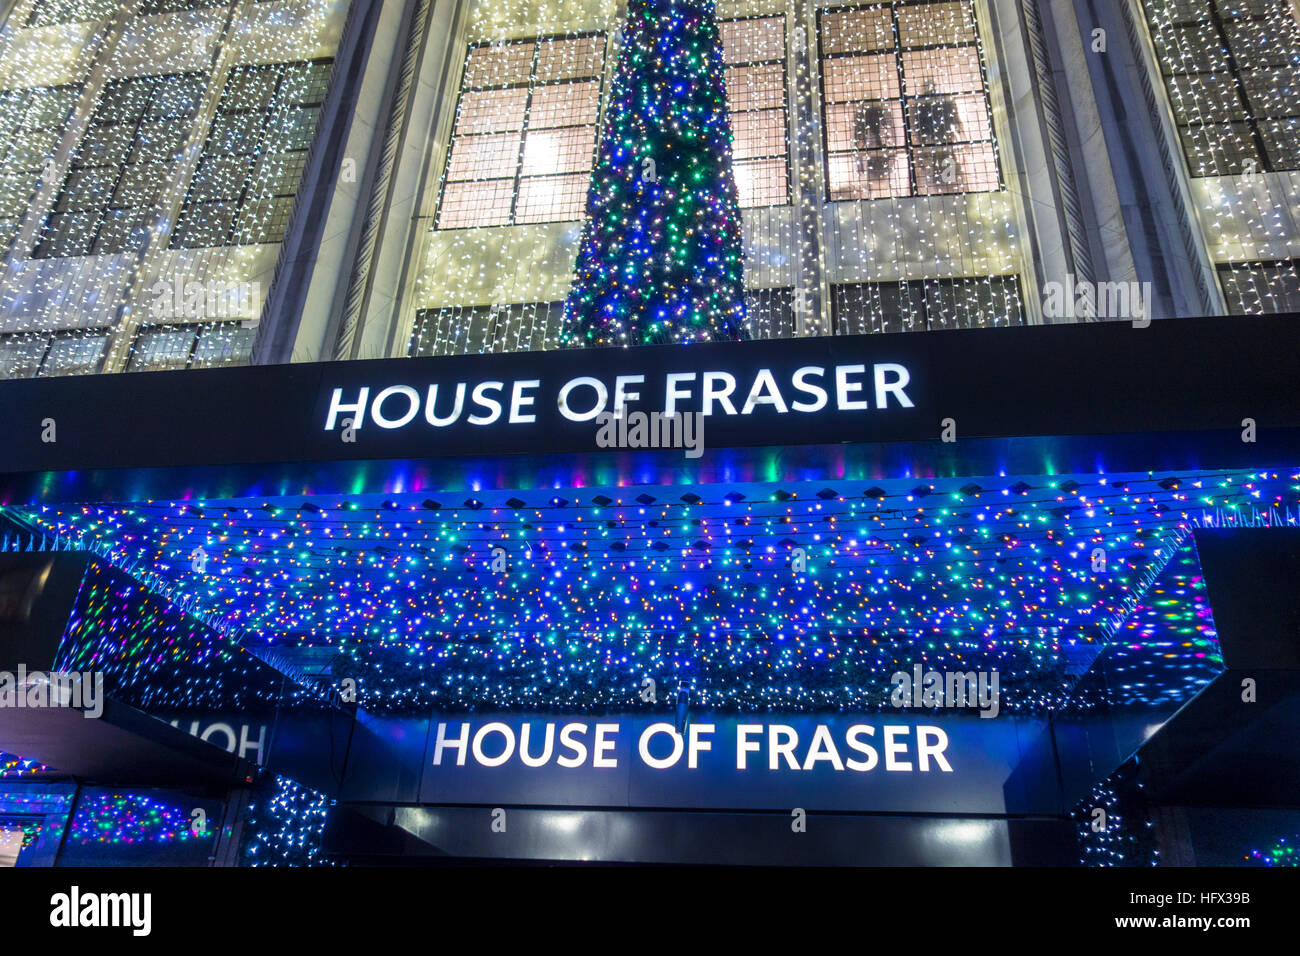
522	145
755	50
499	243
1231	69
477	192
521	151
525	132
31	123
907	112
242	193
942	250
121	221
111	196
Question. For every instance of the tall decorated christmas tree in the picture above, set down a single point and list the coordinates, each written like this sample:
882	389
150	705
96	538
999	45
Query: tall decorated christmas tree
660	259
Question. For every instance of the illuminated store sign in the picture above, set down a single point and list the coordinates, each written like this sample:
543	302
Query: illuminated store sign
660	746
892	760
584	398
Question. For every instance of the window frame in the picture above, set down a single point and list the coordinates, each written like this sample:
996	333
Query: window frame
531	86
1232	69
47	341
46	244
234	235
782	61
903	99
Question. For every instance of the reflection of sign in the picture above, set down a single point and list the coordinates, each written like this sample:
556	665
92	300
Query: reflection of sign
235	739
887	761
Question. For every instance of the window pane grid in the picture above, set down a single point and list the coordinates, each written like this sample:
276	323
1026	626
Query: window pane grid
463	330
927	305
1254	288
905	101
254	157
753	50
111	194
31	126
524	136
1229	71
47	356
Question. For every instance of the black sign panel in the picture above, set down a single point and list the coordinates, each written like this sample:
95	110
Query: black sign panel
896	762
1096	379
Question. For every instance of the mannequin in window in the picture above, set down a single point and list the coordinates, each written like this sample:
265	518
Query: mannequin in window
937	123
873	134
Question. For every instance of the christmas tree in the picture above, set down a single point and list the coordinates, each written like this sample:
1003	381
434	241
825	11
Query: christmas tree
660	259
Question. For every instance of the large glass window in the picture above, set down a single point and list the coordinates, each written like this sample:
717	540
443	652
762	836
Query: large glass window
113	190
460	330
1230	67
74	353
31	124
50	12
754	52
967	302
256	151
525	133
1261	287
191	346
905	101
155	7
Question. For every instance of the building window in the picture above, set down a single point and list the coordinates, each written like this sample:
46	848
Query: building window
1230	69
769	313
113	191
1253	288
32	122
754	52
253	160
47	13
906	101
927	305
462	330
26	356
525	133
150	8
191	346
